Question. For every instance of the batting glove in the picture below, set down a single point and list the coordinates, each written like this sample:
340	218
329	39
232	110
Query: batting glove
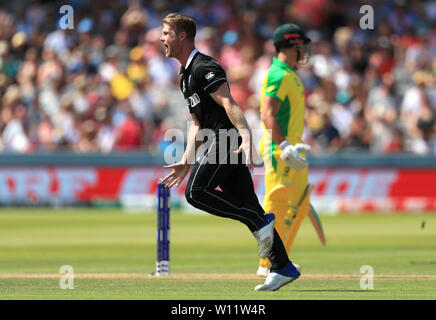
291	155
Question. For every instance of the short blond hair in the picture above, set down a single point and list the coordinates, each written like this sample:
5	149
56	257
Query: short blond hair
181	23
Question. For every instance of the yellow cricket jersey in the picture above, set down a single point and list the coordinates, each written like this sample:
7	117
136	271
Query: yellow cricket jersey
283	84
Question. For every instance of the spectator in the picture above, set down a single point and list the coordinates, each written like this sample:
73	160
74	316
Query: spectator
359	135
71	89
45	133
14	137
105	138
128	134
381	113
327	136
396	142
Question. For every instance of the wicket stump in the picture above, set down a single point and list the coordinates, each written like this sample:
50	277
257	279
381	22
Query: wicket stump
163	231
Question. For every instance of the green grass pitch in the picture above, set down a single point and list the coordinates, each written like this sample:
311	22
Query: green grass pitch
113	253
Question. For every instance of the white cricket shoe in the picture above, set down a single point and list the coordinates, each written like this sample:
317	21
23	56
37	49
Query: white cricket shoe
265	235
275	280
264	271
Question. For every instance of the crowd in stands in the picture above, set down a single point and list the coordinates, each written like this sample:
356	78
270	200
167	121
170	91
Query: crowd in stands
106	85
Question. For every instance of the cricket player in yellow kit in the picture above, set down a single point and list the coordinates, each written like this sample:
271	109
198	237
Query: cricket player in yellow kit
282	114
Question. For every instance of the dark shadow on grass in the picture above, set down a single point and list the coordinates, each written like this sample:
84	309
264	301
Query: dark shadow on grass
335	290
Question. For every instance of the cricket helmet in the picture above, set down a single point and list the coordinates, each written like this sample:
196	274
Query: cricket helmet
291	35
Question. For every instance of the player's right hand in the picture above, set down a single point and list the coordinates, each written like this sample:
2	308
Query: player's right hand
251	159
291	156
180	170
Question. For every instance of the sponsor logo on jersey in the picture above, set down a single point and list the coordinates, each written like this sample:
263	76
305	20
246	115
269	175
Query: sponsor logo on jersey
210	75
270	88
193	100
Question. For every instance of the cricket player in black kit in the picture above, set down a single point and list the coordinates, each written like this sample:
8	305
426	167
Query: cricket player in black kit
216	116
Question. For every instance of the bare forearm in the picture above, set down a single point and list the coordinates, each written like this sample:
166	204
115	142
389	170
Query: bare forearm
191	146
273	126
271	107
223	97
237	118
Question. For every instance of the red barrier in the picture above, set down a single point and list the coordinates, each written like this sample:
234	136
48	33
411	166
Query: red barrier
336	189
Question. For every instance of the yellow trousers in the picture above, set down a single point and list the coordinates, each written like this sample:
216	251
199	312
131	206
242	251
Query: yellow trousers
277	173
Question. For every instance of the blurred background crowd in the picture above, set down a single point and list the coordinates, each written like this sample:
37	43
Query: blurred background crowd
106	85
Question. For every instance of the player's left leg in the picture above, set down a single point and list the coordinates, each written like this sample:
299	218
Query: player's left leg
201	193
214	170
276	277
284	189
242	180
298	207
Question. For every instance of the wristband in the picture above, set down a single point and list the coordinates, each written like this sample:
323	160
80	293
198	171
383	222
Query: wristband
284	144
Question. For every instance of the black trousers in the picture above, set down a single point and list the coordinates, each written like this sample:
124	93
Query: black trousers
237	199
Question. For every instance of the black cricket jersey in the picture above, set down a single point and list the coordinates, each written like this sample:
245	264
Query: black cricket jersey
202	76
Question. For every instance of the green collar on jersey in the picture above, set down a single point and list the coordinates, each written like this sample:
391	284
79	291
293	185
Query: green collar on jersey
281	64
